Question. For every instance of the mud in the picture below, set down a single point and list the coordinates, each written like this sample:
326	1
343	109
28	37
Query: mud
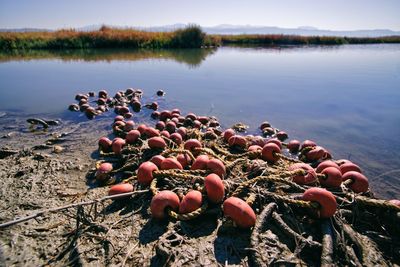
34	177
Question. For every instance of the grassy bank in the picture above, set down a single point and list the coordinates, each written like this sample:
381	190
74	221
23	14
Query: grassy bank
278	39
190	37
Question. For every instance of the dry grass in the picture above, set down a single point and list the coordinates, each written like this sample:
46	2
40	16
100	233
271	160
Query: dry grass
279	39
190	37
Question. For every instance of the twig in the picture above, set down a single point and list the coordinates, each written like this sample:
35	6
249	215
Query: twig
85	203
129	253
254	239
327	244
351	256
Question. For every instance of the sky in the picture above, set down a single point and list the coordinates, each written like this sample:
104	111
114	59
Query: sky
322	14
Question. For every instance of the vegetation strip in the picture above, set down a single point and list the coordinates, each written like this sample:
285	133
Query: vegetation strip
189	37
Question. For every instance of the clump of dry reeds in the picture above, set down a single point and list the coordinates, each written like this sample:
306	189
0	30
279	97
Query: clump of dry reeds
106	37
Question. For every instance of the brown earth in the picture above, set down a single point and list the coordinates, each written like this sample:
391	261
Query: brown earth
109	233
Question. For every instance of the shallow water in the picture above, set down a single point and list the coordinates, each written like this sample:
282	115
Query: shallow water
347	98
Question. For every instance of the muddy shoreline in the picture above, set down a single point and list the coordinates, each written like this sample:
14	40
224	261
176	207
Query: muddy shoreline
36	177
49	169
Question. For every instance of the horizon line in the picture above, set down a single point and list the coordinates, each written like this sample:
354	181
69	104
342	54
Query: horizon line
304	27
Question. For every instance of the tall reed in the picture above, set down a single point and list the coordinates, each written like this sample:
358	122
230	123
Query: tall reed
189	37
105	37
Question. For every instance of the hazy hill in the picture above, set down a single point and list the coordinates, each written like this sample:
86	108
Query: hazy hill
305	31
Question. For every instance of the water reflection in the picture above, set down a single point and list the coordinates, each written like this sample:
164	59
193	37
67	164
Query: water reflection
191	57
283	48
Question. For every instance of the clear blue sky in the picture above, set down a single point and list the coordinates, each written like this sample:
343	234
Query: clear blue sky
324	14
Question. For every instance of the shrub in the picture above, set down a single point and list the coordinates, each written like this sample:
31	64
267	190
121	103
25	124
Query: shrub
189	37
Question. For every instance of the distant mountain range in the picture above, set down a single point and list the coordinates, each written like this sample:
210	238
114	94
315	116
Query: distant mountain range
244	29
305	31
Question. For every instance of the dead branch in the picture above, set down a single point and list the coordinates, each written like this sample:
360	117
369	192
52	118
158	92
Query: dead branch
254	239
327	244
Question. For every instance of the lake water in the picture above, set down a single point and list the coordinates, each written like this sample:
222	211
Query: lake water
347	98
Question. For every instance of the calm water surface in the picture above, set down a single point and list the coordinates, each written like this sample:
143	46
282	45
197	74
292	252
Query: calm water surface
347	98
